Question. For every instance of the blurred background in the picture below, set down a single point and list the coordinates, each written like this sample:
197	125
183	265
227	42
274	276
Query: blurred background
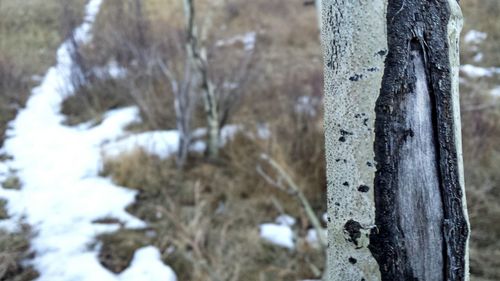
250	209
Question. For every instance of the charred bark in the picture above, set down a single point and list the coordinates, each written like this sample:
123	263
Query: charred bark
422	229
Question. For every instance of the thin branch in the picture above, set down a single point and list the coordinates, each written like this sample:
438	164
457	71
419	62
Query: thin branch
275	183
301	197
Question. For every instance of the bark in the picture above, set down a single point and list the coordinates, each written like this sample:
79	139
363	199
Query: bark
184	102
395	178
198	53
318	6
140	22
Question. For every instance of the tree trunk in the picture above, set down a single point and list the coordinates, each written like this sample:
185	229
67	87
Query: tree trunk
199	56
318	6
140	22
396	199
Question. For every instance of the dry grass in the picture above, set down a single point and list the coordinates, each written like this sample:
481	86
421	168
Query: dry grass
205	219
482	15
481	132
91	101
137	40
481	136
14	248
30	32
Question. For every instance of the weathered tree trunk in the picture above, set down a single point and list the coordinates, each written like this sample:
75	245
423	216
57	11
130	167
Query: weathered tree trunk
198	53
140	21
396	200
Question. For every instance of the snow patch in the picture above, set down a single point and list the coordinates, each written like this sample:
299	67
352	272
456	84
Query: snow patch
160	143
478	57
248	40
62	193
495	92
112	70
263	131
164	143
285	220
476	72
475	37
147	265
279	233
313	239
307	105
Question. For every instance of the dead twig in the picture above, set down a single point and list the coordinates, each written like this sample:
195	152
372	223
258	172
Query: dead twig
296	191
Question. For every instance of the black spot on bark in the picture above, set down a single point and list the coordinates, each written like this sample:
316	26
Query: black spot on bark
345	184
330	63
342	139
353	229
345	133
356	77
353	260
363	188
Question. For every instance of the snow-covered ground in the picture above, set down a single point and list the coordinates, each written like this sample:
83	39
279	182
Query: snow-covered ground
62	193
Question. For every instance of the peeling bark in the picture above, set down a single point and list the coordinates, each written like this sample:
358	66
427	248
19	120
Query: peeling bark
391	69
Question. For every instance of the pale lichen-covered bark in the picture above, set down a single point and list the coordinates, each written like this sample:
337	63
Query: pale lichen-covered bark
396	195
455	25
355	45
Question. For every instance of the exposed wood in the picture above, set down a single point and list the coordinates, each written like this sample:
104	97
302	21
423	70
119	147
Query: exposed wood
418	201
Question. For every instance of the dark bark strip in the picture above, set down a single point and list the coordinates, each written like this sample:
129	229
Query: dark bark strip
421	229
